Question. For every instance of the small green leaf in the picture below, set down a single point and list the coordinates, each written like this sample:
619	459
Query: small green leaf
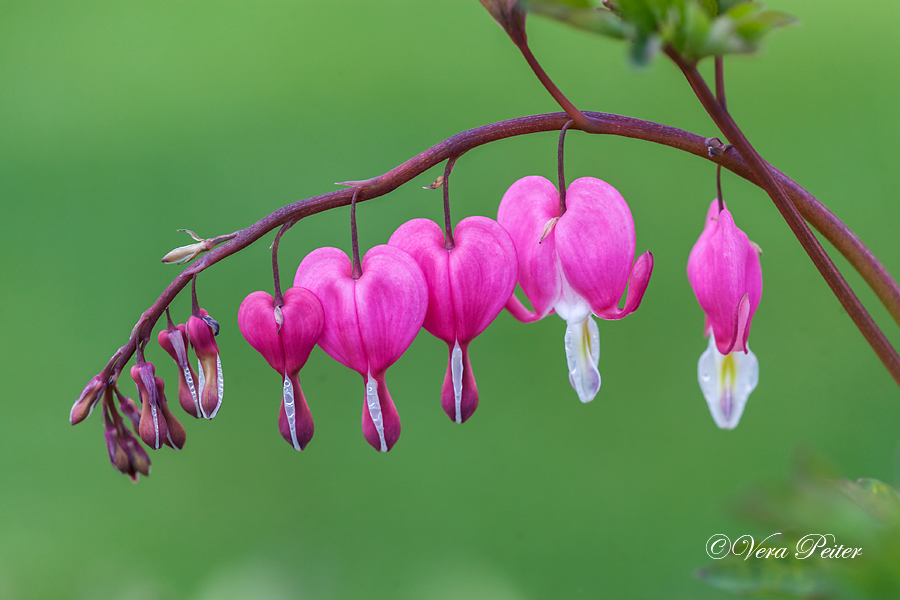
644	49
696	29
595	20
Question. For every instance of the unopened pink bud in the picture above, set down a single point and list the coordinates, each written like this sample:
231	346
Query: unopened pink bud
152	428
202	331
175	342
86	402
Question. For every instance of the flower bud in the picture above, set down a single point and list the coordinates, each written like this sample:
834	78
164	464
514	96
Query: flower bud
187	253
174	341
86	402
202	332
152	427
125	452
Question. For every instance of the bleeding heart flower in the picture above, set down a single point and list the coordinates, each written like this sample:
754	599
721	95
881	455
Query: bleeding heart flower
158	425
174	340
285	336
369	322
468	285
724	271
575	264
202	330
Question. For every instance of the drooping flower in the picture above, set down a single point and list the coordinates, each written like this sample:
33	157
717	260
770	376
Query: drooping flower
202	330
174	340
724	271
576	264
468	285
125	452
158	425
285	336
369	322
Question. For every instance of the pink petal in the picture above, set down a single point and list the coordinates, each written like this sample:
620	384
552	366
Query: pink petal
717	270
483	268
391	300
303	323
595	240
637	285
326	273
518	310
527	206
202	337
423	240
753	285
256	320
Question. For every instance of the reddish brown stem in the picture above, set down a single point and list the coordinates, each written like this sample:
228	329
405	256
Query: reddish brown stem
561	167
817	214
720	81
581	120
354	238
800	229
449	244
279	297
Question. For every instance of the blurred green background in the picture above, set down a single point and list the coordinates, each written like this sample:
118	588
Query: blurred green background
121	122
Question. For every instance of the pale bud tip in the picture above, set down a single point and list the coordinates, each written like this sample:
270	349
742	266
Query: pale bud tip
184	253
436	184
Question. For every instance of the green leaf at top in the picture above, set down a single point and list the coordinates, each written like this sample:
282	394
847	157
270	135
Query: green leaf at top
696	29
580	15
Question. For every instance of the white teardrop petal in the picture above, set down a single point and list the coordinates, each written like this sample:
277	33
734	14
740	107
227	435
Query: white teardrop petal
582	355
456	373
221	386
201	376
190	381
290	412
374	407
726	382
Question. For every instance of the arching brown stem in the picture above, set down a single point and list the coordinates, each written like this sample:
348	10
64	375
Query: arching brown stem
817	214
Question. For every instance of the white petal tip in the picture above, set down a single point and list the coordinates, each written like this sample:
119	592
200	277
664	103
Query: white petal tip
727	382
582	344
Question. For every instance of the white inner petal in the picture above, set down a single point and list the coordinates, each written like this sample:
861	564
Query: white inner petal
287	396
190	381
571	306
582	355
221	386
155	422
726	382
201	375
375	409
456	373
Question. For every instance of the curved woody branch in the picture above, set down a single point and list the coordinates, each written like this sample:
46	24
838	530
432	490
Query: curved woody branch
602	123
